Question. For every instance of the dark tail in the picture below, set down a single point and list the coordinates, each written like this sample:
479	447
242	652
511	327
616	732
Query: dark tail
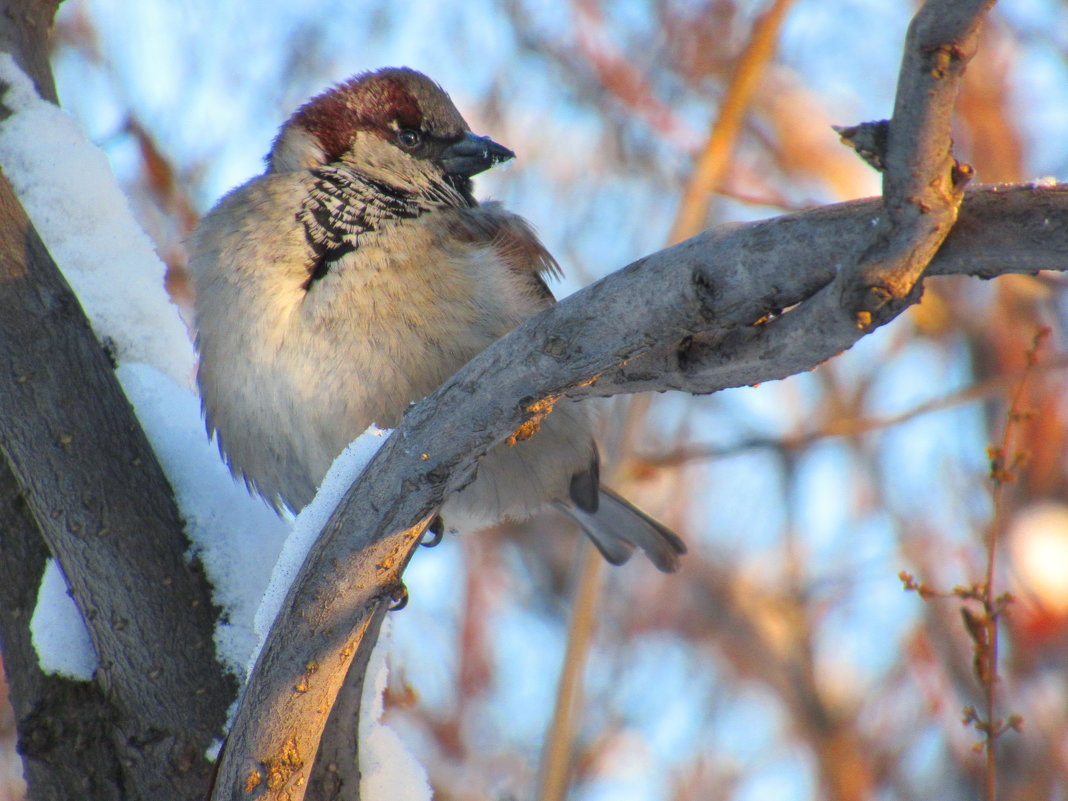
617	527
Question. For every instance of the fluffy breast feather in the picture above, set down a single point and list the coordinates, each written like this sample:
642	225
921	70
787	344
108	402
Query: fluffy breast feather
308	367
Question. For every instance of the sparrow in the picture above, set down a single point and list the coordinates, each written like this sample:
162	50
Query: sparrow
356	275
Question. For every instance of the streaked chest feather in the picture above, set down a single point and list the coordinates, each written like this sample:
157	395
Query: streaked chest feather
399	320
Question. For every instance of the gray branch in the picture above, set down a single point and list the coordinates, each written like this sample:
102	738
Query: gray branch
684	318
78	475
762	268
732	307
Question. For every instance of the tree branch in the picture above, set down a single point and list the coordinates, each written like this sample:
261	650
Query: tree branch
701	316
90	487
683	318
758	269
105	509
923	184
45	705
834	425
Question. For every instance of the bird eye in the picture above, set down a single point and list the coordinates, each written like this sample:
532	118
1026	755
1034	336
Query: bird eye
409	138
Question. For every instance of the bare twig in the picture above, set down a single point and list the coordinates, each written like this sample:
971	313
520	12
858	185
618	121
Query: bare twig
982	628
556	756
716	154
616	74
1004	464
851	426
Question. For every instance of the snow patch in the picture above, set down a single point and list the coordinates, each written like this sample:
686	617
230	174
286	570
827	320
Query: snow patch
58	631
67	188
345	469
388	769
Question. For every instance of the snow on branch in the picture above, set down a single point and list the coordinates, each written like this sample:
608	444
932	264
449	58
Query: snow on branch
734	306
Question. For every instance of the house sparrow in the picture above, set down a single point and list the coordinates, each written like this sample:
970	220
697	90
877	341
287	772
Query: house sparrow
356	275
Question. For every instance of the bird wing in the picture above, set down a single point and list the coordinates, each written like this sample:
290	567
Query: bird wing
515	241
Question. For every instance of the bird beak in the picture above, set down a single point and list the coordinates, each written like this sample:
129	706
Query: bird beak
472	155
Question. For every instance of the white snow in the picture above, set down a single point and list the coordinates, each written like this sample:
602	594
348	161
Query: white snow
345	469
59	635
236	534
388	769
67	189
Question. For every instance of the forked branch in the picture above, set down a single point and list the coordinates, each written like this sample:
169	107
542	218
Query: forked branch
701	316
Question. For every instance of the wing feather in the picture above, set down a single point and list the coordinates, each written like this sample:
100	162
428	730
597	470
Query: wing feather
515	241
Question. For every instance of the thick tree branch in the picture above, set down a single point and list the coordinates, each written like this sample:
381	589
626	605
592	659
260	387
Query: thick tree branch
336	773
612	337
923	184
761	268
105	509
90	487
701	316
47	707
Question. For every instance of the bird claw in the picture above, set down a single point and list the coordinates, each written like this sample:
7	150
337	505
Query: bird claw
436	530
399	596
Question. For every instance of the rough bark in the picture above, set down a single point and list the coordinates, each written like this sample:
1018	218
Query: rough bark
702	316
752	271
80	477
106	511
923	184
53	714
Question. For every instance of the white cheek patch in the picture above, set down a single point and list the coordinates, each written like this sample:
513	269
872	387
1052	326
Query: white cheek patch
296	149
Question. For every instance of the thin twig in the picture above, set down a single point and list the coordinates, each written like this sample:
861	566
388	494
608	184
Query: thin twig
852	426
1003	469
718	150
983	628
556	753
614	71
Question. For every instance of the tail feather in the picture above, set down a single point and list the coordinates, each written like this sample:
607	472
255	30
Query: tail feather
617	527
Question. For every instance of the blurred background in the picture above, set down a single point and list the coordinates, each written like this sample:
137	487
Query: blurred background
786	660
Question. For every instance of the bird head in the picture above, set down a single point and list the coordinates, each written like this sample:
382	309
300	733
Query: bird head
394	125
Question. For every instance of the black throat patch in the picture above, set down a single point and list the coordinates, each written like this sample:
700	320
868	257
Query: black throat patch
342	206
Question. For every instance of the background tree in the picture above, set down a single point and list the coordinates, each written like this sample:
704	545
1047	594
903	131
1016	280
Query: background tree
786	651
